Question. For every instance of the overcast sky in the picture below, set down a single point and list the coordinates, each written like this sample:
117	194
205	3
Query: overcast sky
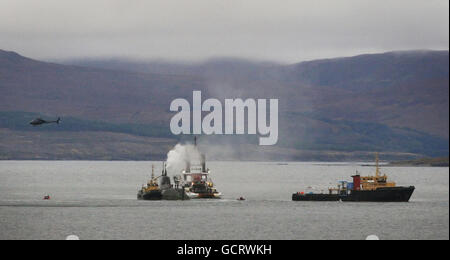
278	30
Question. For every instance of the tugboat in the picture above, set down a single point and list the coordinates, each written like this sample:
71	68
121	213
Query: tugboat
152	190
196	181
363	189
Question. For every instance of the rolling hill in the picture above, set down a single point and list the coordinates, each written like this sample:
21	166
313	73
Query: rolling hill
335	109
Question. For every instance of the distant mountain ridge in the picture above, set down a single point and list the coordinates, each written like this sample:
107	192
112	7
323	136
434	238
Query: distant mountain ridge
403	88
393	102
374	70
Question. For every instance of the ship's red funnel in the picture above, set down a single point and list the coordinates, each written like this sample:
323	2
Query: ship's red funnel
357	182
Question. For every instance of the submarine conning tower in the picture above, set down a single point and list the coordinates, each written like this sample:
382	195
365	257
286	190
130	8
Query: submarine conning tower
165	180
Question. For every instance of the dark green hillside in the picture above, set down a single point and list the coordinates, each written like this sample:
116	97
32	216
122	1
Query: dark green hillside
20	121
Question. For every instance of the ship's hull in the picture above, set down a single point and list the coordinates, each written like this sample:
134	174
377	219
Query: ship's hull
316	197
394	194
151	195
206	195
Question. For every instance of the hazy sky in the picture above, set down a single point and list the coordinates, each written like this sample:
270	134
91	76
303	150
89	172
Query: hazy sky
280	30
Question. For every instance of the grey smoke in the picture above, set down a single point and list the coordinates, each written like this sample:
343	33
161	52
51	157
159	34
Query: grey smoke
179	155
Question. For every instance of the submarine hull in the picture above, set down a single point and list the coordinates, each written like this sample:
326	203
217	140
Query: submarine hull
174	194
393	194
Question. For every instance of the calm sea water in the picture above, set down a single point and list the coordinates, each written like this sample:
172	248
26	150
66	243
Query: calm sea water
97	200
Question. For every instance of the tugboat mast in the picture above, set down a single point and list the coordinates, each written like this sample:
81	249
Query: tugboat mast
377	174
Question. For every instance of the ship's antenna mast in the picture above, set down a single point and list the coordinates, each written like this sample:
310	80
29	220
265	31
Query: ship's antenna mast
378	165
153	171
164	171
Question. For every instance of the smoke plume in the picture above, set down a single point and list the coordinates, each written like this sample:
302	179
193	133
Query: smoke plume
179	155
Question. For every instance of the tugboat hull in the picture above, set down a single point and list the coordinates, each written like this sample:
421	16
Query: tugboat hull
152	195
393	194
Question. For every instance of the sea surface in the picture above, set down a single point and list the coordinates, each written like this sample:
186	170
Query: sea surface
97	200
